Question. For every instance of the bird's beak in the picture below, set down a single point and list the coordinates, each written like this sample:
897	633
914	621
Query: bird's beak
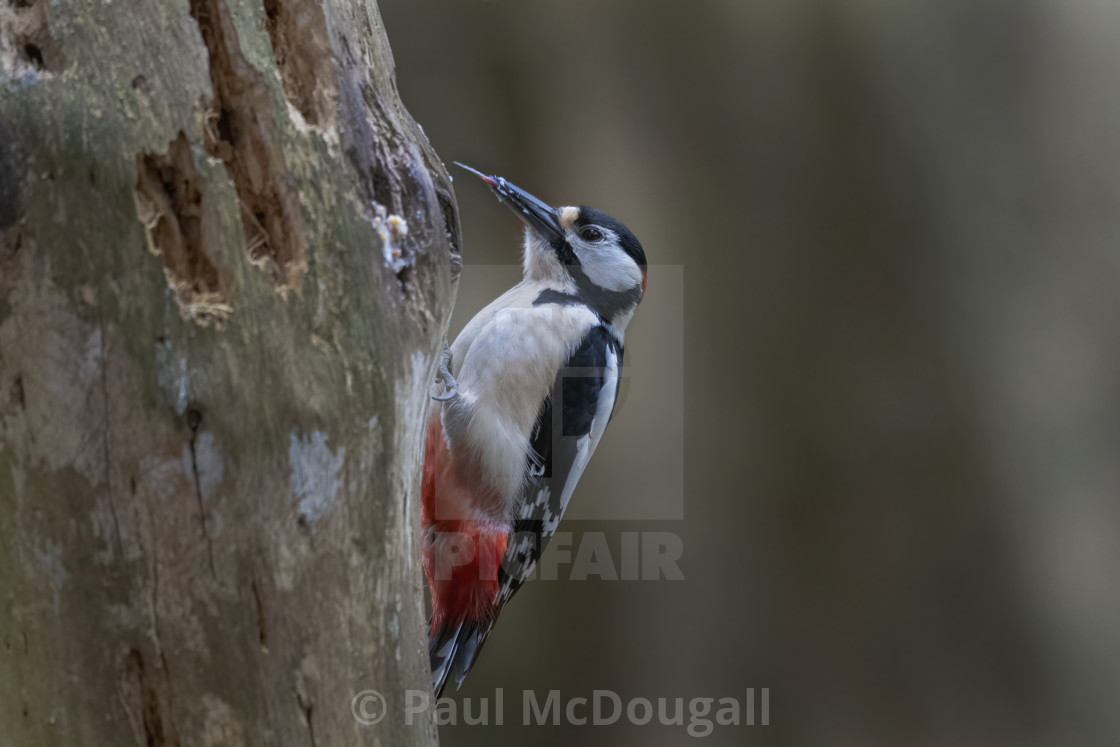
536	214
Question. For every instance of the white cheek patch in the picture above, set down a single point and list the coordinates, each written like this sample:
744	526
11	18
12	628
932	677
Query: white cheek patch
609	268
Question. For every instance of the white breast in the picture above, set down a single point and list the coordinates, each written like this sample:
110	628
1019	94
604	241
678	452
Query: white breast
506	361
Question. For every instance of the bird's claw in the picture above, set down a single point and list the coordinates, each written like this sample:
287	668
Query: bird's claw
445	378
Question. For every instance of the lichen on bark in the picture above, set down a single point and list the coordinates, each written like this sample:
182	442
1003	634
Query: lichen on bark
211	380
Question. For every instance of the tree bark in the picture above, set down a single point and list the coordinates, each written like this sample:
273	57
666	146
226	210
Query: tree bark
227	261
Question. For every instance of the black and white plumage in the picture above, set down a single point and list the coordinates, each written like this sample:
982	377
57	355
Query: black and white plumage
587	389
532	382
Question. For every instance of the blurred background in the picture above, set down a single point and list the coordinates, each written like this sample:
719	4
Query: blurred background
877	372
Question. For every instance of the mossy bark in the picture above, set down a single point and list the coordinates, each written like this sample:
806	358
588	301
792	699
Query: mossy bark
227	261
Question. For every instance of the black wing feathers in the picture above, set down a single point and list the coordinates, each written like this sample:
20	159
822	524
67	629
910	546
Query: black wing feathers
578	388
582	380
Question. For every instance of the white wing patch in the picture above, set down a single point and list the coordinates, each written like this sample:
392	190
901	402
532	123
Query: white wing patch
522	556
590	442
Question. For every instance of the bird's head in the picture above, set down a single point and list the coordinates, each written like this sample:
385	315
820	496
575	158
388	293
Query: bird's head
583	250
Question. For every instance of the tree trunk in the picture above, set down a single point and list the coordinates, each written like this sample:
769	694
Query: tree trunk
227	261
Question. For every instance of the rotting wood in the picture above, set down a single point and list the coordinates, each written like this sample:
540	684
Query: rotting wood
212	382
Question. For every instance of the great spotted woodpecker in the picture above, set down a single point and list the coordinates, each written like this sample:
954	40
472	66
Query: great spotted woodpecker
528	388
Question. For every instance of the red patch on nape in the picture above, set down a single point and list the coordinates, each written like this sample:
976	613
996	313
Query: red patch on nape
643	286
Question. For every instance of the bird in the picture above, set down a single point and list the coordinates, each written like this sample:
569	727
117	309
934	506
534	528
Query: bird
525	393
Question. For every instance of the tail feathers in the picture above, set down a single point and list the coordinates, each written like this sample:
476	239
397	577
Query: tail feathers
453	648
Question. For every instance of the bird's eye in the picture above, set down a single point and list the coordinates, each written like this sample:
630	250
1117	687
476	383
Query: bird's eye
590	233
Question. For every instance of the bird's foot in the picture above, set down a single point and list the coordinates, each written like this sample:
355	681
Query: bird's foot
444	377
